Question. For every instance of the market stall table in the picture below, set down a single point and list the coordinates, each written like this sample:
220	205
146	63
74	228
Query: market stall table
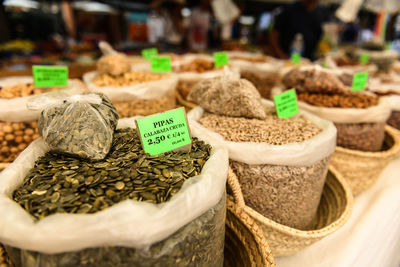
371	237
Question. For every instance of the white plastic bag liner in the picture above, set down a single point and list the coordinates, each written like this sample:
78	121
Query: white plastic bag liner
128	223
146	90
378	113
394	101
375	85
295	154
15	109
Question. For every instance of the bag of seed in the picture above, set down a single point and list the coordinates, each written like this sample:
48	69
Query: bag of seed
281	164
18	126
360	118
130	209
135	92
80	125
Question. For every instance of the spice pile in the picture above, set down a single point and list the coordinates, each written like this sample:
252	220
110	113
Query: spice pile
60	183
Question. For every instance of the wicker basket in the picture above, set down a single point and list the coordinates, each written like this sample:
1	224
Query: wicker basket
333	211
362	169
245	244
182	102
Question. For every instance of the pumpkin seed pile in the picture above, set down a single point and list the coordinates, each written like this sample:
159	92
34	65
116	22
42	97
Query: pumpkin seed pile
60	183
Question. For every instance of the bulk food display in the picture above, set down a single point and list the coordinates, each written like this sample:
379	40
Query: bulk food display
358	116
281	164
128	209
132	92
18	124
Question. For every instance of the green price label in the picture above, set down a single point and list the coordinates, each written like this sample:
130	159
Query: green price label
220	59
359	81
148	53
295	57
160	64
50	76
286	104
388	46
164	131
364	59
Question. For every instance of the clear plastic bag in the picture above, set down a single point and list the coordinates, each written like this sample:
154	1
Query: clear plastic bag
81	125
153	233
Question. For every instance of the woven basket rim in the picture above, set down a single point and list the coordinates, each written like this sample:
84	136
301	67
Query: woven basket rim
314	234
183	101
392	132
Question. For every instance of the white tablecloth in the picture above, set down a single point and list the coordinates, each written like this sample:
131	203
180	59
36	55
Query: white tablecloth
371	237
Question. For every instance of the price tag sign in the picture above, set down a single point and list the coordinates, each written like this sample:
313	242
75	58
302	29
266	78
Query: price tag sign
150	52
359	81
220	59
364	58
286	104
164	132
160	64
295	57
388	46
50	76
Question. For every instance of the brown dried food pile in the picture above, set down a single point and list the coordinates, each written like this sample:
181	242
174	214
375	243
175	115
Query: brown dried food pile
313	81
350	100
127	78
21	90
197	65
272	130
229	97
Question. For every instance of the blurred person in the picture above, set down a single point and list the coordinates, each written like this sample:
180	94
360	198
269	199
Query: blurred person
174	28
303	19
199	26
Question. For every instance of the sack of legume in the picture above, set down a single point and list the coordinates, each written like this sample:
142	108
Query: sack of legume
18	124
130	209
80	125
135	92
281	164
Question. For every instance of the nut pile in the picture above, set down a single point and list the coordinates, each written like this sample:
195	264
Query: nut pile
264	82
146	106
350	100
313	81
272	130
361	136
197	65
15	137
185	87
127	78
257	59
21	90
63	184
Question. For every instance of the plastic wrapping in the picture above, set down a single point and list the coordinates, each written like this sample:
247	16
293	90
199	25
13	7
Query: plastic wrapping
18	126
129	224
81	125
282	182
228	95
139	99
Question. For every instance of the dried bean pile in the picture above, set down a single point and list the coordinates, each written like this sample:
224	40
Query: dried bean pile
127	78
21	90
185	87
394	119
60	183
264	82
272	130
15	137
350	100
197	65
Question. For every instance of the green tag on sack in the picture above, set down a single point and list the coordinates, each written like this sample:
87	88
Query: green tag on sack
360	80
149	52
50	76
295	57
160	64
164	132
220	59
286	104
364	58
